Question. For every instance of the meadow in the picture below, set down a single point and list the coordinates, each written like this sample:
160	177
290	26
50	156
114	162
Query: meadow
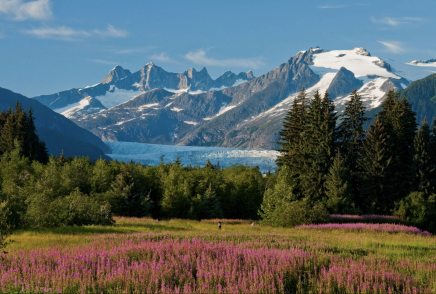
182	256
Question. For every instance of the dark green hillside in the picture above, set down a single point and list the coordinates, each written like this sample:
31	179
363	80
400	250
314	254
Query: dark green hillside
58	132
422	96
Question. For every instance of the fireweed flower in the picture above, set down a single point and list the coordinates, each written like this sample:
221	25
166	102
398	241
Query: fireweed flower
232	263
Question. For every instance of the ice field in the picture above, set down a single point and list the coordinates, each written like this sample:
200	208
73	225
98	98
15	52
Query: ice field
151	154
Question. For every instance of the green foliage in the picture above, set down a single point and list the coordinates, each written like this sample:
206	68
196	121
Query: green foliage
278	192
339	194
319	139
422	172
5	224
19	127
419	209
281	207
376	190
209	206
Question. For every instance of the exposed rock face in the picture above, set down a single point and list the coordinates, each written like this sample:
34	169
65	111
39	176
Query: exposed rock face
148	78
383	64
118	73
416	62
344	83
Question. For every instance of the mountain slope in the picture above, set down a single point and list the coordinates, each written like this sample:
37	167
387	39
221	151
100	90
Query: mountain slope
120	85
190	108
58	132
422	96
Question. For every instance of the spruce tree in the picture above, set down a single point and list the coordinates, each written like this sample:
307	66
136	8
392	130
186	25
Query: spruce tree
423	171
374	163
290	135
399	122
352	135
20	126
319	141
339	194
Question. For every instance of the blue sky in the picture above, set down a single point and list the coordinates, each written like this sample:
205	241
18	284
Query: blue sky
52	45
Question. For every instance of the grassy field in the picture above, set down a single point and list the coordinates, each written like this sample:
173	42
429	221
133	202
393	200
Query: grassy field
333	261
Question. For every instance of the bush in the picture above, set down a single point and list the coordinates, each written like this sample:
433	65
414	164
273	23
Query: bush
419	210
76	209
302	212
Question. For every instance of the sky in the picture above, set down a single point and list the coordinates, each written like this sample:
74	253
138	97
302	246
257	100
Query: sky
47	46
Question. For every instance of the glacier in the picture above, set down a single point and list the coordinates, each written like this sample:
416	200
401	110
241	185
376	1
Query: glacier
151	154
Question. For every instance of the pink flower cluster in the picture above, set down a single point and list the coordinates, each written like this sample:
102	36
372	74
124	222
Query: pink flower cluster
364	217
155	263
359	227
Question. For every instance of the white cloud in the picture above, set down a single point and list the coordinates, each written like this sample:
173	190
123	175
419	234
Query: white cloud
62	32
163	57
199	57
111	32
104	61
69	34
393	46
39	10
396	21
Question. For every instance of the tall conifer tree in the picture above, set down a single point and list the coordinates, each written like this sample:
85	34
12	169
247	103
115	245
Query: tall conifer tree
423	171
399	122
319	143
290	135
352	135
374	163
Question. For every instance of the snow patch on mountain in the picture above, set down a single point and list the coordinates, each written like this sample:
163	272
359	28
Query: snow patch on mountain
224	108
283	106
69	110
426	63
122	122
191	123
354	60
150	154
117	97
142	107
371	94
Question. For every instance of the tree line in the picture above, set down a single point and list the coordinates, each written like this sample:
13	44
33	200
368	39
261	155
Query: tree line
330	164
41	191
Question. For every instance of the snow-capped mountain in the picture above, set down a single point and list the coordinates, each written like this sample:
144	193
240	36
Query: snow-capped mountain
120	86
190	108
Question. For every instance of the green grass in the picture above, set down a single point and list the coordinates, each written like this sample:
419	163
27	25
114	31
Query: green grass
392	246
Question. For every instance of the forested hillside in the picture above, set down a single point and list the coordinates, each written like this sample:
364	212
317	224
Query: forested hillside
330	167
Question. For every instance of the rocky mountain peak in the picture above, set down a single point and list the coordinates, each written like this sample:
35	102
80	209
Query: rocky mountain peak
343	83
250	74
361	51
116	74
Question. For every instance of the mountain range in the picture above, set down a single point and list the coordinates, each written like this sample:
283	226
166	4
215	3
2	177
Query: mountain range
190	108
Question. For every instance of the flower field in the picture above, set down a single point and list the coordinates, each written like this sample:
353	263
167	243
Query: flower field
359	227
195	257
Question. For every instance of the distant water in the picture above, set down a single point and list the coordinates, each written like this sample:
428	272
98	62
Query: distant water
151	154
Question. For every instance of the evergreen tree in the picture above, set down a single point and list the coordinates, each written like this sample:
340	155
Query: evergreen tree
352	135
130	200
423	170
290	135
399	123
20	126
339	195
374	162
210	206
319	143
